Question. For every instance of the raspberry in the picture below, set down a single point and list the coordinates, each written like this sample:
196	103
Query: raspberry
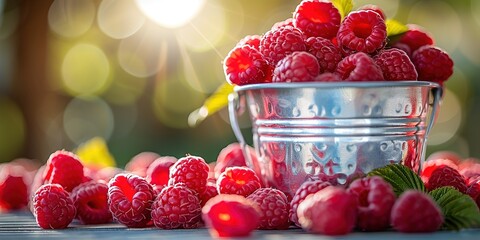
330	211
474	191
107	173
359	67
91	201
415	211
446	176
471	173
176	207
230	216
296	67
273	205
192	171
238	180
328	77
452	156
64	168
130	199
468	163
302	192
284	23
327	54
374	8
13	187
404	47
415	37
317	18
396	65
430	165
159	170
250	40
277	44
375	200
245	65
230	156
362	31
53	208
210	192
138	165
432	64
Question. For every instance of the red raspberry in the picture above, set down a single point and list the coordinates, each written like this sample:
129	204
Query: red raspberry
471	173
138	165
362	31
317	18
328	77
277	44
296	67
53	207
396	65
192	171
415	211
245	65
210	192
230	216
64	168
250	40
359	67
468	163
238	180
130	199
327	54
404	47
375	200
302	192
159	170
91	201
274	208
430	165
330	211
474	191
176	207
446	176
374	8
13	187
281	24
415	37
432	64
107	173
452	156
230	156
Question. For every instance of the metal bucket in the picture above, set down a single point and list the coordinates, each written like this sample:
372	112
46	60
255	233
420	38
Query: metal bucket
334	131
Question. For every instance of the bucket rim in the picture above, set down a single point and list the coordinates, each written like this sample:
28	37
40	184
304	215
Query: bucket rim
373	84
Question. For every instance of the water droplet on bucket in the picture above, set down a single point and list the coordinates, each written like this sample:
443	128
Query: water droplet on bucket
408	109
351	148
296	112
313	109
323	112
336	110
342	179
322	147
367	110
298	147
351	166
383	146
269	107
377	110
398	108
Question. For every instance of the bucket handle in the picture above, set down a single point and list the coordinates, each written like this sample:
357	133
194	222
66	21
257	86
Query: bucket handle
437	93
236	107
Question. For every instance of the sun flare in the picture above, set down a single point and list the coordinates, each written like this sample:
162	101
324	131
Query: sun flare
170	13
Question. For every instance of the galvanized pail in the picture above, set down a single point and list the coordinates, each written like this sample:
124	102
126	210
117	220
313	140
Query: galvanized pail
334	131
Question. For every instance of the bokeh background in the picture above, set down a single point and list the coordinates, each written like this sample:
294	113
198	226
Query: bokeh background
131	71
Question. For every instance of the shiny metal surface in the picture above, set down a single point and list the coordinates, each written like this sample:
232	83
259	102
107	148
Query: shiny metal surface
337	131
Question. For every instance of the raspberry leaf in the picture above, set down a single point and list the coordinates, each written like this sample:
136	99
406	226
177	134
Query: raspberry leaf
459	210
214	103
400	177
344	6
395	28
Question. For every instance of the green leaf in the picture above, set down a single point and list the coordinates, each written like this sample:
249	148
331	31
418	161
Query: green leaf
395	27
400	177
214	103
343	6
459	210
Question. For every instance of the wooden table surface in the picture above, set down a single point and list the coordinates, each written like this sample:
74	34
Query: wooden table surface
22	225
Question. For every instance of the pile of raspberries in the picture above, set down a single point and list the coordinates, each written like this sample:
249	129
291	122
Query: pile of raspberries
316	45
226	196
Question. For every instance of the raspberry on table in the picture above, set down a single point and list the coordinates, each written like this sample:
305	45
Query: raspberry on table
64	167
374	8
245	65
328	77
238	180
228	215
432	64
317	18
158	173
415	37
250	40
277	44
362	31
375	201
53	207
230	156
415	211
359	67
13	187
444	176
210	192
296	67
91	201
327	54
433	163
130	198
139	163
192	171
307	188
274	208
330	211
396	65
176	207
